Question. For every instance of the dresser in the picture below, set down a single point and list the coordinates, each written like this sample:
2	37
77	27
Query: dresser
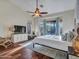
20	37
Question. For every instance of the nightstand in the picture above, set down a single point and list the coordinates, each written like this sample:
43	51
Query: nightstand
71	53
30	37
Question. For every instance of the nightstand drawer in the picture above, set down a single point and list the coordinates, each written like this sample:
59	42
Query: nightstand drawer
73	57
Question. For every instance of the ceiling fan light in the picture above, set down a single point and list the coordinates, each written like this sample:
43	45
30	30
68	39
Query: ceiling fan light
37	14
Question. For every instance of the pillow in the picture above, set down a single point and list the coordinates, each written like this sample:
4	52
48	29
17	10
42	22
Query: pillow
70	36
64	37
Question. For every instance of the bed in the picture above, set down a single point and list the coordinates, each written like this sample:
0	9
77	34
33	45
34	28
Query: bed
52	41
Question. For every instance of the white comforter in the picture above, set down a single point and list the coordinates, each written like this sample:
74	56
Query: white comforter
52	41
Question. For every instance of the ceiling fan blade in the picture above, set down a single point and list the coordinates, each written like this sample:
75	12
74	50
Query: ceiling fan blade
29	11
43	12
33	15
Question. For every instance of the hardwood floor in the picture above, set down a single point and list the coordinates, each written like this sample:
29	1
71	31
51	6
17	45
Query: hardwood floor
17	52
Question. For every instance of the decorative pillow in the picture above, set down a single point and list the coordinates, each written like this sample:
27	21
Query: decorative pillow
64	37
70	36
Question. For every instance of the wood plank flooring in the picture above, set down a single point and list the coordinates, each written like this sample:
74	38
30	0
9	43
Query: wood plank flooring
16	52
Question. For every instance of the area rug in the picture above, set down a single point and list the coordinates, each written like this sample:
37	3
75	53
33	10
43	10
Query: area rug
48	51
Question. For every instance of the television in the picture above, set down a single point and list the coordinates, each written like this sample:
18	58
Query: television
19	29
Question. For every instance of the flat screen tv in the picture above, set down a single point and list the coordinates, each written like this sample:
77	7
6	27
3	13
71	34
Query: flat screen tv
19	29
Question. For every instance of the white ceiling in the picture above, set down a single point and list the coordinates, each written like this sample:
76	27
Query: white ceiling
51	6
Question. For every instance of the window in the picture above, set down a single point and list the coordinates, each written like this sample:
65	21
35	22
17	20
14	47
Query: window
52	27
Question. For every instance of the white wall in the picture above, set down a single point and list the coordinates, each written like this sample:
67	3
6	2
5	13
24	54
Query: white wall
66	16
77	11
10	14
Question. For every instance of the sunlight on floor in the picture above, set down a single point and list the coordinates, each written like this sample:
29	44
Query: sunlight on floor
7	53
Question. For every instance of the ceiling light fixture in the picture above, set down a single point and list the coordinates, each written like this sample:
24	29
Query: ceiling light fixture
37	11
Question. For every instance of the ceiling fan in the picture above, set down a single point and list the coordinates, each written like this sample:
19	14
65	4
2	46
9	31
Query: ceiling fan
37	11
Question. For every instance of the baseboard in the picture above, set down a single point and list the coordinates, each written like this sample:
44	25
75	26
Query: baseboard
21	42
